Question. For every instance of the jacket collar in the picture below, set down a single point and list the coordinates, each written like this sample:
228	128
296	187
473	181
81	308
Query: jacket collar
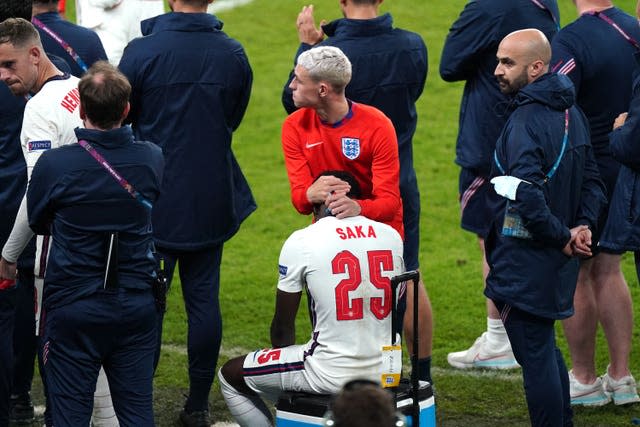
178	21
48	17
359	27
106	138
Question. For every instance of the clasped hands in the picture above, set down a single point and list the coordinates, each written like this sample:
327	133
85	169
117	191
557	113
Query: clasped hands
332	192
580	242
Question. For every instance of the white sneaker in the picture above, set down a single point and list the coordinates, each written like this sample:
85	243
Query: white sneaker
623	391
480	355
587	394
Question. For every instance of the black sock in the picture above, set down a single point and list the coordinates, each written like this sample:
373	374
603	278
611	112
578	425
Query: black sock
424	366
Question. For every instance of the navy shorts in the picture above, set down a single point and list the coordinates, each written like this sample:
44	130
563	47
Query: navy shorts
477	201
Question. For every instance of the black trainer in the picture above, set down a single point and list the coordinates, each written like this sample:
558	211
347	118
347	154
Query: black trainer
195	418
21	409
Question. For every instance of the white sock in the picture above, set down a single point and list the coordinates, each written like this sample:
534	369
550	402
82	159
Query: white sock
103	413
496	334
248	411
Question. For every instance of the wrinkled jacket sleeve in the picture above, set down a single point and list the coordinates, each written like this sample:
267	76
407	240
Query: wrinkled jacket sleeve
40	197
241	104
469	37
130	68
287	97
592	196
625	140
524	157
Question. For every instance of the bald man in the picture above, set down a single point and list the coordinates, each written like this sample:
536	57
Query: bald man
545	171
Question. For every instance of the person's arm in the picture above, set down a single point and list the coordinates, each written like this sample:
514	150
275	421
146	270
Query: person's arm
239	104
292	270
40	197
130	68
385	172
525	160
283	325
469	38
309	35
38	135
298	171
624	137
564	60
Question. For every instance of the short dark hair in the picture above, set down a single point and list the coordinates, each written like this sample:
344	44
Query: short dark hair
19	32
355	192
15	9
104	93
363	403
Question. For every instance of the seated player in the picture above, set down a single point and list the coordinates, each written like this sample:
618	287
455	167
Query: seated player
345	266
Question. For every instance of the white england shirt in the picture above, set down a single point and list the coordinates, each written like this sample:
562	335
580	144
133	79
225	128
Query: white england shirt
346	265
50	117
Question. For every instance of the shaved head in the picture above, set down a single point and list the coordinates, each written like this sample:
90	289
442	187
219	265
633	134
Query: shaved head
532	43
523	56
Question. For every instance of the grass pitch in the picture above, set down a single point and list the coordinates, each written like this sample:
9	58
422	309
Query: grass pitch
450	258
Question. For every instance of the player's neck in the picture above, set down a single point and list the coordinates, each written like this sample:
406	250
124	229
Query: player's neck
46	72
360	12
334	111
592	5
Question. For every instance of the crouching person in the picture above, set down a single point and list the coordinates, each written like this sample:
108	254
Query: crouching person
94	200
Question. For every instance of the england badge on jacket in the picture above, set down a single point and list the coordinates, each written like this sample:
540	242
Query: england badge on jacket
351	148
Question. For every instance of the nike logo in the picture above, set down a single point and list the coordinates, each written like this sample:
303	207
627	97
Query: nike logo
314	144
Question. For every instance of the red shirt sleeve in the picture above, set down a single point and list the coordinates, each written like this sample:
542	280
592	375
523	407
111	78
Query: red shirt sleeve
298	171
384	203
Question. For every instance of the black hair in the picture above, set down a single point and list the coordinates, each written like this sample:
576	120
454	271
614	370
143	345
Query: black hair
355	192
15	9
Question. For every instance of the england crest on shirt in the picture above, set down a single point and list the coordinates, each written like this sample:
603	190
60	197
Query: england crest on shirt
351	148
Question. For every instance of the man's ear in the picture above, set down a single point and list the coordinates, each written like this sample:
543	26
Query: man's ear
537	68
35	54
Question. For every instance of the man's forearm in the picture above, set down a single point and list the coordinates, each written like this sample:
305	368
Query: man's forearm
20	235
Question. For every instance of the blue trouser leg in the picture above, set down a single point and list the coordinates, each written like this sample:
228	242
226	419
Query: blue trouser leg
7	316
25	341
200	279
112	328
546	383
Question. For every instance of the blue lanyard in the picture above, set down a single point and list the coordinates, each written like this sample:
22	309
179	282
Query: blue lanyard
554	168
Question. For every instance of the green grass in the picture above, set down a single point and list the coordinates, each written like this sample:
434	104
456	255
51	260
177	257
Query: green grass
450	258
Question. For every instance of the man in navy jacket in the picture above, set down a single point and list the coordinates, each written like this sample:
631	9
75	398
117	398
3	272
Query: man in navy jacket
80	47
469	54
552	197
191	85
98	292
389	72
596	53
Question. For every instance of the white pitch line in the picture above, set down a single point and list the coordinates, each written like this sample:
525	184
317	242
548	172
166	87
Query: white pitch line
222	5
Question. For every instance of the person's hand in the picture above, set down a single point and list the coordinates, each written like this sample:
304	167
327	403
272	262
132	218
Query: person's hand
341	206
578	243
307	31
619	121
582	243
7	269
324	186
